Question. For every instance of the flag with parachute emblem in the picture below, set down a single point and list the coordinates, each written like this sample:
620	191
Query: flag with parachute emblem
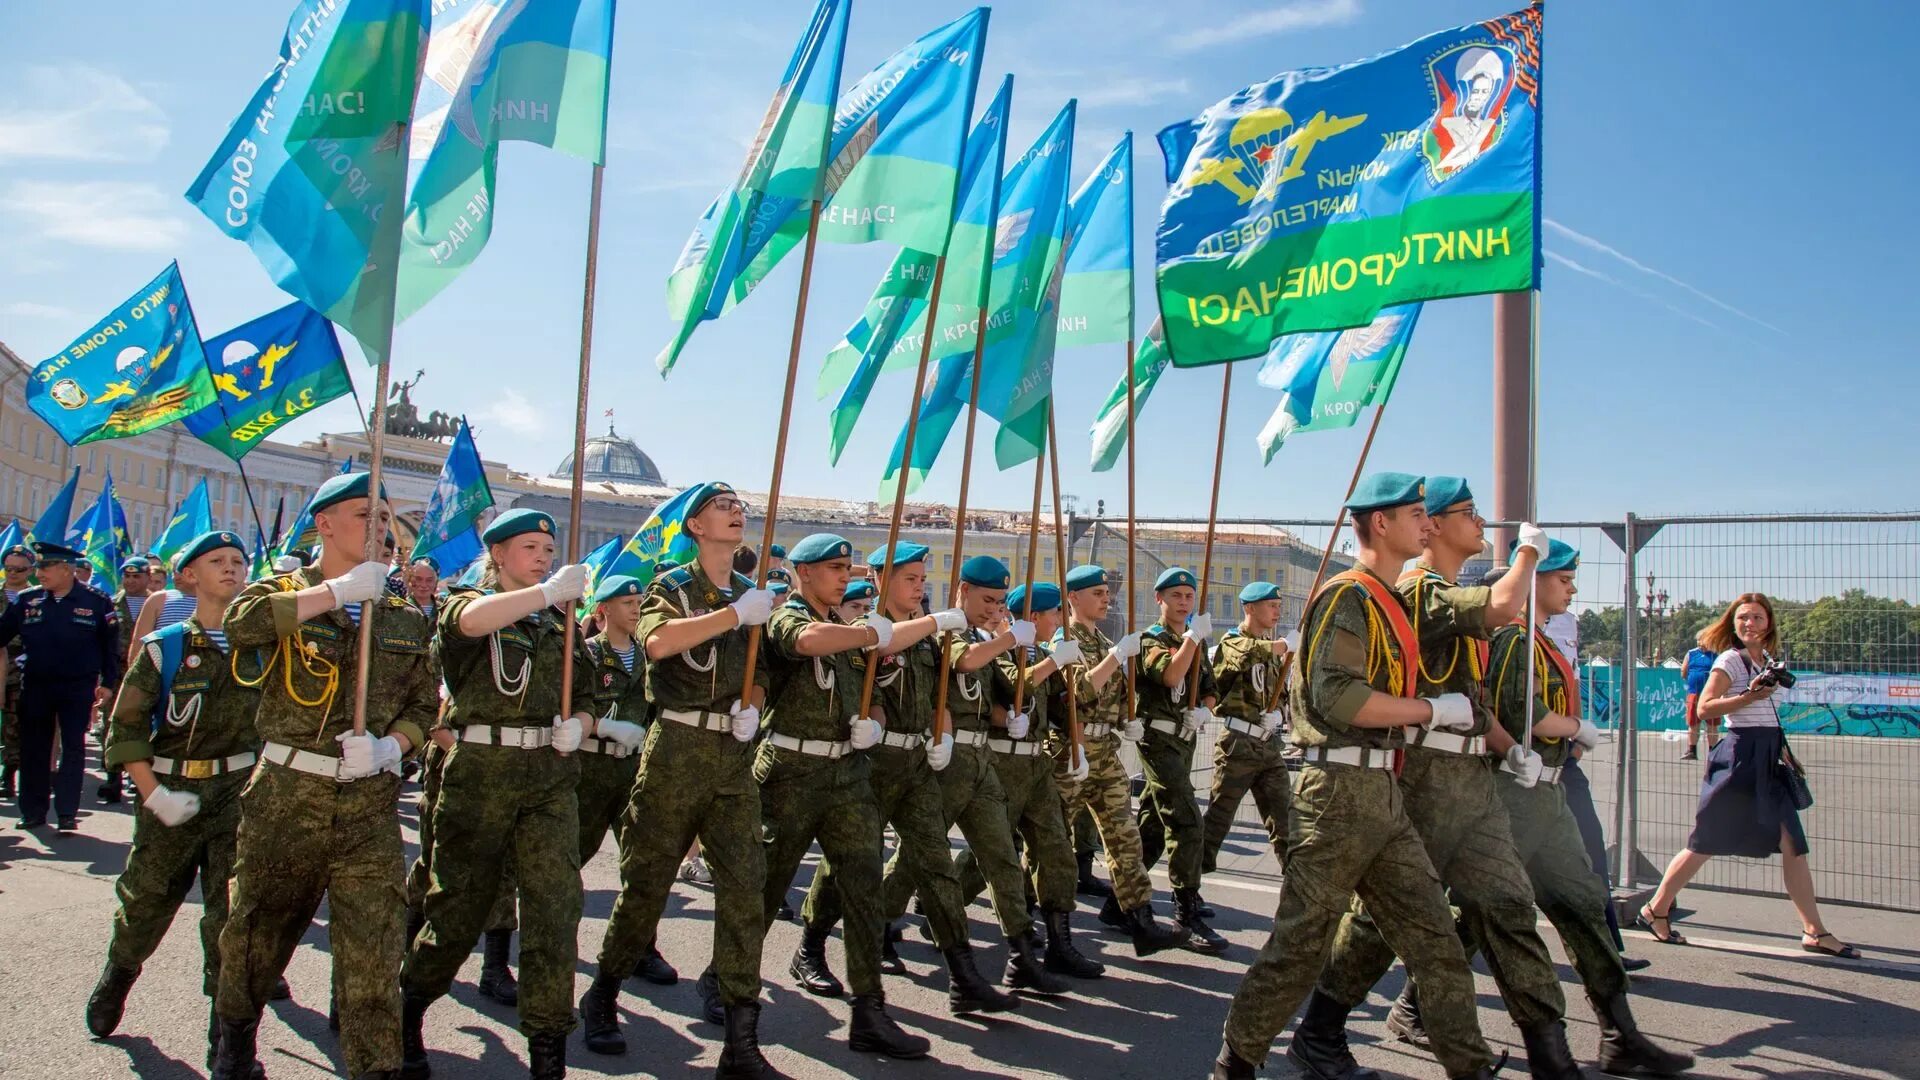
449	527
661	540
268	372
1329	378
1110	429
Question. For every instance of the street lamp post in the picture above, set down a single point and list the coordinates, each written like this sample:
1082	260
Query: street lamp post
1658	608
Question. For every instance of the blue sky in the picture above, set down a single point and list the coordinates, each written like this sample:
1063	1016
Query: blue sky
1724	245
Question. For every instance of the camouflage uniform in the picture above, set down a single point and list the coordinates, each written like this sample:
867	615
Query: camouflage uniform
607	769
1169	808
304	836
198	755
1348	831
1107	793
695	780
1034	810
501	917
1249	672
10	709
499	800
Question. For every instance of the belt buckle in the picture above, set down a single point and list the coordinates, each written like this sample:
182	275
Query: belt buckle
526	738
198	770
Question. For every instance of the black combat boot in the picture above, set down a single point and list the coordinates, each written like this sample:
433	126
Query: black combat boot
1403	1020
1624	1050
1149	935
9	781
547	1056
110	788
496	978
600	1016
257	1072
1088	885
1186	911
1231	1066
1547	1055
874	1032
281	991
809	966
1319	1044
708	987
1112	915
109	999
740	1058
1025	972
890	962
1062	957
235	1060
413	1044
654	968
968	991
416	922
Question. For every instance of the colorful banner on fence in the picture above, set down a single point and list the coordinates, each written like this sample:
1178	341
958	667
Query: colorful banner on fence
1884	706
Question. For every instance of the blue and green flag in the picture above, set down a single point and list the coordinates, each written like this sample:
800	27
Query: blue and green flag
661	540
268	372
139	368
312	175
192	517
449	530
1328	378
496	70
12	536
1110	429
100	543
1096	298
116	516
52	526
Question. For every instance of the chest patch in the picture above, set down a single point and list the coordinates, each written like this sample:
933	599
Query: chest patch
193	661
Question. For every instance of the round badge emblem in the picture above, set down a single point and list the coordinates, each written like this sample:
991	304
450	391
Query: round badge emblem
193	661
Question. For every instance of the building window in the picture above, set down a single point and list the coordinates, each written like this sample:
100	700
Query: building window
39	449
90	459
1046	565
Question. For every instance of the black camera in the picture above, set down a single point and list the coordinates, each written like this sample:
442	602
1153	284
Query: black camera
1775	674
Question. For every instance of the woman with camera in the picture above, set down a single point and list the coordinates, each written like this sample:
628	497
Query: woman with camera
1747	803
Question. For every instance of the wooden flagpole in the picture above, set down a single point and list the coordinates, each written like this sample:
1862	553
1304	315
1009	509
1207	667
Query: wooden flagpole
376	529
1133	588
1213	515
939	727
1339	519
1060	561
1033	553
576	493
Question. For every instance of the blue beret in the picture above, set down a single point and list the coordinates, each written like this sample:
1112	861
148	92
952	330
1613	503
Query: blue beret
350	485
517	522
1444	491
1258	591
704	494
17	549
206	542
48	551
779	573
986	572
858	590
1086	577
428	560
903	553
819	548
777	552
1386	490
615	586
778	588
1173	576
135	563
1046	597
1560	556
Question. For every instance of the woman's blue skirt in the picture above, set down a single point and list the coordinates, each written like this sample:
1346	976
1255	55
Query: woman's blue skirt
1743	804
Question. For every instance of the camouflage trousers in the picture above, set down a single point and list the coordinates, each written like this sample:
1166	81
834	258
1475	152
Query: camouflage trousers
498	804
161	868
807	799
1572	896
1347	832
1463	825
302	838
692	783
1169	813
1107	795
971	797
1242	764
1036	815
1086	837
909	797
501	917
606	788
10	719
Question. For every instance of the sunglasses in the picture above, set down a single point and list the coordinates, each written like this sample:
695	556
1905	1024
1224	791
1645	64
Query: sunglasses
727	505
1469	510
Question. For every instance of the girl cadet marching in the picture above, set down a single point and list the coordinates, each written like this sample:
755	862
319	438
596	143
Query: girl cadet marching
508	787
183	730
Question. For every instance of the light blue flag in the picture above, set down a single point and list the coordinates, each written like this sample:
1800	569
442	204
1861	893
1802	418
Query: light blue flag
100	544
52	526
12	536
116	516
453	510
296	536
1096	299
661	540
597	562
192	517
1329	377
269	372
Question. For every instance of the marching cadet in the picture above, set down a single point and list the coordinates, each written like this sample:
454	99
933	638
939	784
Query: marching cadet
1249	665
182	729
1092	776
814	777
508	787
695	780
858	601
1353	699
971	796
909	797
1168	651
1448	787
1573	897
497	982
318	817
135	583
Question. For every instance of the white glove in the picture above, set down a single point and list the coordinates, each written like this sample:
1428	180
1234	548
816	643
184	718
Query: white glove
950	621
1273	722
359	585
1533	536
1525	764
566	734
565	585
1127	647
1133	730
172	807
363	755
1588	735
287	564
1293	641
1017	724
1200	628
746	721
1022	631
754	607
1067	651
940	754
865	732
1451	712
625	732
1196	719
882	628
1078	770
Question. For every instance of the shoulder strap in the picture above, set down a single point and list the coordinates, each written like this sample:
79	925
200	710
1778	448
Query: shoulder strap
1397	622
1559	661
171	641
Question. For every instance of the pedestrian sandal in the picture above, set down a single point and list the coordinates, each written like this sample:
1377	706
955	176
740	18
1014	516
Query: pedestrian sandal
1660	926
1817	943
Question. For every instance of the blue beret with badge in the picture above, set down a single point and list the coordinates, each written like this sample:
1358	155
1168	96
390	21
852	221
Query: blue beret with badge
1560	556
706	493
1086	577
1259	591
819	548
904	552
47	551
777	552
1445	491
1385	491
1046	597
208	542
425	560
518	523
134	564
1174	577
986	572
857	590
350	485
616	586
18	549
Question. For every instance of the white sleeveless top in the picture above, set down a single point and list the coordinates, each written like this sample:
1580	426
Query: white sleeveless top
1740	670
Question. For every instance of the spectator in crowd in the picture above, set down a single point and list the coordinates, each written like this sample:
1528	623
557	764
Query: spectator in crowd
1698	666
423	584
745	561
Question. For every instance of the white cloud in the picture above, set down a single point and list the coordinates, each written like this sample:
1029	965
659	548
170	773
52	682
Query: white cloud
27	309
1595	245
78	113
515	413
114	215
1273	21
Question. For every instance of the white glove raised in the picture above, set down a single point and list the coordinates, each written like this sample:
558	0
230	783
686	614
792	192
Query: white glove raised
940	754
1067	651
1022	632
1196	719
1078	770
754	607
1273	722
1451	712
359	585
1200	628
625	732
1588	735
1127	647
882	628
363	755
746	721
1525	764
1133	730
1292	640
1533	536
566	734
172	807
864	732
1017	725
950	621
565	585
287	564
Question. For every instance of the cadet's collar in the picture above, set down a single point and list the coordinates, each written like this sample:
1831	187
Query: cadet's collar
1156	630
1422	566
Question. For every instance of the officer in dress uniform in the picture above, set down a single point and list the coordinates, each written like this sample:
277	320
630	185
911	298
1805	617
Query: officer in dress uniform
71	639
1249	664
